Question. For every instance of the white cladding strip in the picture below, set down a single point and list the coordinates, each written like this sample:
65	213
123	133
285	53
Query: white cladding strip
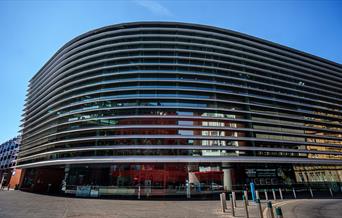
179	159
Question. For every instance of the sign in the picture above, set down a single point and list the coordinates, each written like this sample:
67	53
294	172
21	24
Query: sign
261	173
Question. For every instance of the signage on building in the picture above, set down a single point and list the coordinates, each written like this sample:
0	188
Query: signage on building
257	173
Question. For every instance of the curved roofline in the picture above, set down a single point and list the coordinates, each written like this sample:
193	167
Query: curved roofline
219	29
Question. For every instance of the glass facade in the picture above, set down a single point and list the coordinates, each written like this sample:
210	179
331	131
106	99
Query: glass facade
175	105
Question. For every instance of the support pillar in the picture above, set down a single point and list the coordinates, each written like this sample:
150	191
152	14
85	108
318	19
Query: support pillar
227	176
66	174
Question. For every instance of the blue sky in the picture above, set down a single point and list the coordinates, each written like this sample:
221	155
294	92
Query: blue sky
32	31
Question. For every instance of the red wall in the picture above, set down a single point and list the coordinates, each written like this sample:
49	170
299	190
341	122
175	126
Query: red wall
15	179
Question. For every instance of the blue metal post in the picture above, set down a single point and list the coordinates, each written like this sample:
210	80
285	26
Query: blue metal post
252	190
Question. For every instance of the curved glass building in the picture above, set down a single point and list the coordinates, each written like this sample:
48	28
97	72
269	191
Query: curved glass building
169	108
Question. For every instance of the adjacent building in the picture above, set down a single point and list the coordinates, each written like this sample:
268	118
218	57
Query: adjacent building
166	108
8	158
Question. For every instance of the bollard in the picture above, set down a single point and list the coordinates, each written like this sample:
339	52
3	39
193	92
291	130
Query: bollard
311	193
222	203
224	200
234	198
331	193
274	194
257	194
246	197
294	193
281	194
139	191
188	189
270	209
232	204
245	204
259	207
266	195
279	213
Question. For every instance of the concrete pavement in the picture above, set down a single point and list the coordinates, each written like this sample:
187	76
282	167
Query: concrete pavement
17	204
312	208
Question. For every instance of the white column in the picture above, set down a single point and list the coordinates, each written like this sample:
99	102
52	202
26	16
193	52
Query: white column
66	174
227	176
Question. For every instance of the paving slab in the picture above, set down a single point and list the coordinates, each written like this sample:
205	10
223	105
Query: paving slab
17	204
